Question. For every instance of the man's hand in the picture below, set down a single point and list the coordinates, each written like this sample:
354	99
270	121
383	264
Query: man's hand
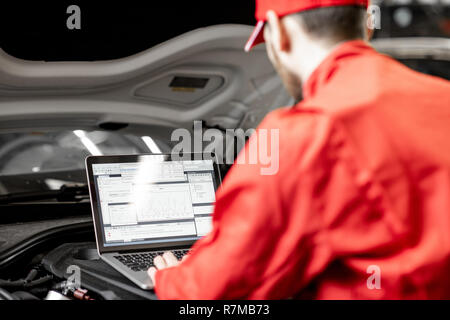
167	260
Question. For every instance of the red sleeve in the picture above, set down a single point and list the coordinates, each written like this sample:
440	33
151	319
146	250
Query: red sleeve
268	239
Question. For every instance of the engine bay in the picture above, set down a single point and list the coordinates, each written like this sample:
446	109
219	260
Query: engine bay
48	252
72	271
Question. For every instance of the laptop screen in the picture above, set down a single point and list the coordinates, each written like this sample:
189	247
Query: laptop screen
154	201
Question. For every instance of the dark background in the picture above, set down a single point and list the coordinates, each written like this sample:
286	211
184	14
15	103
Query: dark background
36	30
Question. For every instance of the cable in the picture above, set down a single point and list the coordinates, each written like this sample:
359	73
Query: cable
5	295
25	284
31	275
22	295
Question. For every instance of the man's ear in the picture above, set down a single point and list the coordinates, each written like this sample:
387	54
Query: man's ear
278	34
369	33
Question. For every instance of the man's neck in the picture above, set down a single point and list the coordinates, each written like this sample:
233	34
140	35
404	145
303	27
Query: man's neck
311	58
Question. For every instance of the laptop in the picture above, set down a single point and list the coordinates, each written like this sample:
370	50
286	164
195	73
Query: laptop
144	205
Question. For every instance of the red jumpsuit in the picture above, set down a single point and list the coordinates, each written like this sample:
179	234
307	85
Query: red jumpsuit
363	183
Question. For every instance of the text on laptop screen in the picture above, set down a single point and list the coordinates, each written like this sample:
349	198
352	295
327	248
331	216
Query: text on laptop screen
154	201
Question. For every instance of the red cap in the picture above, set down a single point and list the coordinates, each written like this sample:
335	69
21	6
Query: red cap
285	7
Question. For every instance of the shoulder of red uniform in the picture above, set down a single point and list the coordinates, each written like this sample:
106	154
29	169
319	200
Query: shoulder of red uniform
304	133
290	115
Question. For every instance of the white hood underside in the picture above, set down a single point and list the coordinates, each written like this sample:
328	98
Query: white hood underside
241	87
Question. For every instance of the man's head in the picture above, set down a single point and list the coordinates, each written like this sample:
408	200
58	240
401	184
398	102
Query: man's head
298	41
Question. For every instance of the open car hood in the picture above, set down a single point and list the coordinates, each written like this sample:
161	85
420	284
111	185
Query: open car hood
201	75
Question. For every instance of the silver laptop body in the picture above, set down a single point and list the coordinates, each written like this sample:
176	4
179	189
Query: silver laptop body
143	205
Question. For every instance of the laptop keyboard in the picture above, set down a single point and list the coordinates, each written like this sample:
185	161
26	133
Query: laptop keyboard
143	261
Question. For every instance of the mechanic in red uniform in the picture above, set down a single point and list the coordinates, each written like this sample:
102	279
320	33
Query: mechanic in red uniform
360	205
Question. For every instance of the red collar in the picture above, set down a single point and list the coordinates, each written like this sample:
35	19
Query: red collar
327	67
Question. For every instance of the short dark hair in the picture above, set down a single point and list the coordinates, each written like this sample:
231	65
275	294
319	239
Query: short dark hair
338	23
